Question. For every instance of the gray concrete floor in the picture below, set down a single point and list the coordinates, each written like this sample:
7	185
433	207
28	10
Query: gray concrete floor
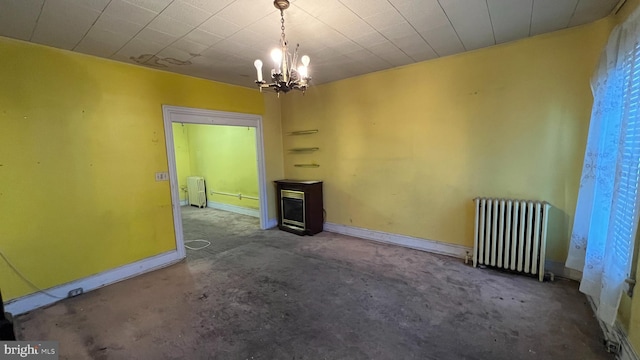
273	295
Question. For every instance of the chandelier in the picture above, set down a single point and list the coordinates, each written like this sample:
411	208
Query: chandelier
285	75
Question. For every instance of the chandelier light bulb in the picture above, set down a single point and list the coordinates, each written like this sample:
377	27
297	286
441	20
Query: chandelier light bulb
258	65
276	55
302	71
305	60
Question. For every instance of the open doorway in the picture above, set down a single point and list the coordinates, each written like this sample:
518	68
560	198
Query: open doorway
196	149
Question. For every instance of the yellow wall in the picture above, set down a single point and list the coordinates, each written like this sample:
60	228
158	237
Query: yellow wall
272	135
226	157
406	150
80	141
183	163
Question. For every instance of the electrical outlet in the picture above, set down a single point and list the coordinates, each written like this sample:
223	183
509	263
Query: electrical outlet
162	176
75	292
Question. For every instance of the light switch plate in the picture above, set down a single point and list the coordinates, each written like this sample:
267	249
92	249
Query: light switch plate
162	176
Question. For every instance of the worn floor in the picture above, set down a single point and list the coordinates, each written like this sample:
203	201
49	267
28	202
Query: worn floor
273	295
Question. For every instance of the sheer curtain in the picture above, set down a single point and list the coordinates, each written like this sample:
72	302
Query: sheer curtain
607	209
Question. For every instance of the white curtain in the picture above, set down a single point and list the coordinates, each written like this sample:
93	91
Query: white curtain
606	215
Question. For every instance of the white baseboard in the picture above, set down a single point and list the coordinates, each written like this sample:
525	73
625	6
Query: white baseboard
626	350
271	223
36	300
616	334
433	246
459	251
184	202
234	209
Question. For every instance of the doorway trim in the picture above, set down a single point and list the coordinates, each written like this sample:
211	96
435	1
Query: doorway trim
185	115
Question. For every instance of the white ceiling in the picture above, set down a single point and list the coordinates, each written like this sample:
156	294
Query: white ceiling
220	39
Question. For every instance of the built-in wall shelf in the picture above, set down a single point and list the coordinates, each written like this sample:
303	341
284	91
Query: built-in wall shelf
307	165
304	150
303	132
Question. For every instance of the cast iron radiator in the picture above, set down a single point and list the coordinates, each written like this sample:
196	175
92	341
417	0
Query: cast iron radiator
511	234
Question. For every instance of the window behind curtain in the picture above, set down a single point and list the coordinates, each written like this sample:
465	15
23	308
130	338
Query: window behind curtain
623	212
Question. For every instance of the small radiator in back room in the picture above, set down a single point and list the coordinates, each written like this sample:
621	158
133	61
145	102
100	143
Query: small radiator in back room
196	191
511	234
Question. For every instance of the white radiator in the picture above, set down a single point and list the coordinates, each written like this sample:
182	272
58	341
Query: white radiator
195	189
511	234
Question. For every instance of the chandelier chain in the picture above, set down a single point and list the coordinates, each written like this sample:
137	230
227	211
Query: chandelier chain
282	22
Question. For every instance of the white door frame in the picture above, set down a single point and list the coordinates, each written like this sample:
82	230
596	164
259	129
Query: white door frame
184	115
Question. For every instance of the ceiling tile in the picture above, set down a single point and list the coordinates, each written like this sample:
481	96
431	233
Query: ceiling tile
415	47
359	54
98	5
323	56
227	47
137	47
156	37
397	31
190	47
391	54
174	53
551	15
385	19
328	36
212	6
149	60
470	19
246	37
202	37
443	40
368	61
153	5
267	28
367	8
167	25
345	48
306	35
356	28
117	25
590	10
217	25
422	15
245	12
317	8
124	10
185	13
119	56
62	23
18	18
339	18
369	39
102	43
430	21
510	18
213	56
294	16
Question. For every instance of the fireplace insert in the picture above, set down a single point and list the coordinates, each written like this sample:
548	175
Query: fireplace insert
292	207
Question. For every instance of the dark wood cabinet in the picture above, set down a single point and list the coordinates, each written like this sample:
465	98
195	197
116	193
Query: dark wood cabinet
300	207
